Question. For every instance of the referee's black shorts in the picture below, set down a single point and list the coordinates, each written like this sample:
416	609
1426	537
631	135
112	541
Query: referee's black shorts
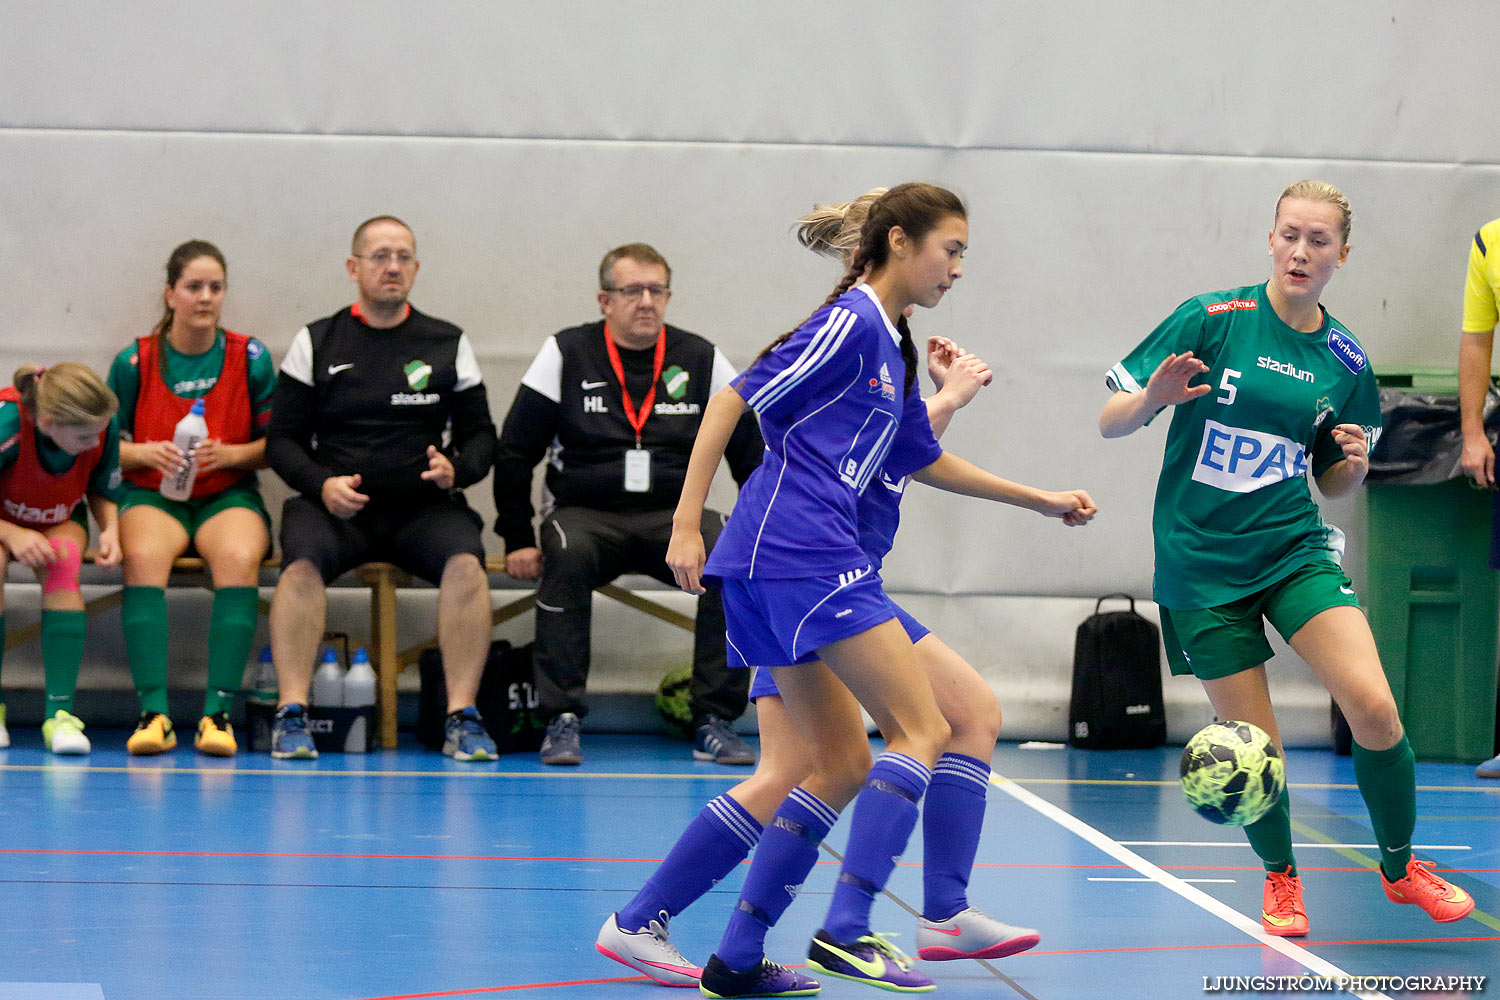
419	539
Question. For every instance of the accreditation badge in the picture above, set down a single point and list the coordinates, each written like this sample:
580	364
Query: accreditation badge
638	471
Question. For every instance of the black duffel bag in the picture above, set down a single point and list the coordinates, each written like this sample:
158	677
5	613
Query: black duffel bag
507	699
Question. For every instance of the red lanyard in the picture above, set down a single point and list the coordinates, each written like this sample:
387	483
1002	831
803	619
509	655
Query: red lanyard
637	420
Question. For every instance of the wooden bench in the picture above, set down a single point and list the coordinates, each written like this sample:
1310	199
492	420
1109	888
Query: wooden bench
383	580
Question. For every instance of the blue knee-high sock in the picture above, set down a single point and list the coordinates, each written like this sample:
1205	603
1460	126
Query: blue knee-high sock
787	852
952	817
713	843
884	815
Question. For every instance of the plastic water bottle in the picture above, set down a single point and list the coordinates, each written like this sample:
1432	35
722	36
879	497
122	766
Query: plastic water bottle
263	686
191	429
328	681
359	692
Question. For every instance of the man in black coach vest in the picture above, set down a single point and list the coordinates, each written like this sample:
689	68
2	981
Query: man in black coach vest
614	406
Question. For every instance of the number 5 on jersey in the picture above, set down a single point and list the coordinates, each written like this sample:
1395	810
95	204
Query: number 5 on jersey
1230	389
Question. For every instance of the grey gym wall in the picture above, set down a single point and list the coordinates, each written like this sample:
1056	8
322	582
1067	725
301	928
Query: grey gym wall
1116	158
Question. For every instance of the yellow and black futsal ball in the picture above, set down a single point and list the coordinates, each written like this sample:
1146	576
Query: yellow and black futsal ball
1232	773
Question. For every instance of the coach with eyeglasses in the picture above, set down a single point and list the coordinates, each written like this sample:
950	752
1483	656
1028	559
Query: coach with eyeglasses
379	421
613	406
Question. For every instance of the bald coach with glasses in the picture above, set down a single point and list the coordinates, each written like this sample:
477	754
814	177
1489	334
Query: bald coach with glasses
383	421
614	406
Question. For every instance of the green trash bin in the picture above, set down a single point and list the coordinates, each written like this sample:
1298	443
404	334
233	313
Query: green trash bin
1434	602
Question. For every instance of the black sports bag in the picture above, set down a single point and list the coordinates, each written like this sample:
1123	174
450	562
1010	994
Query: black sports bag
1116	702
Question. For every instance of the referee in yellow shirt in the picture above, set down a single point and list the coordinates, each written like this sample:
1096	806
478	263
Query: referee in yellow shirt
1481	310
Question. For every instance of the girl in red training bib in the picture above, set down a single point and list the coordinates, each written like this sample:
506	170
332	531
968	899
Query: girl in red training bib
58	447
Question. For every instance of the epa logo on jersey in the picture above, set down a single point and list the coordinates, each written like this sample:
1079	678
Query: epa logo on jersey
1349	353
1243	461
884	385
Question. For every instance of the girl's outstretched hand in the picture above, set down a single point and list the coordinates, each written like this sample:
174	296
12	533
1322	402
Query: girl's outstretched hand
1168	385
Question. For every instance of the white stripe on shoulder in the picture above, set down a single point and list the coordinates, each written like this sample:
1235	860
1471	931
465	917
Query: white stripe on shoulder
823	345
545	373
298	363
890	327
467	364
1120	380
723	373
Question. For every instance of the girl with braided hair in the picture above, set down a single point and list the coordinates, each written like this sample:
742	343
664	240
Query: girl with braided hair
804	599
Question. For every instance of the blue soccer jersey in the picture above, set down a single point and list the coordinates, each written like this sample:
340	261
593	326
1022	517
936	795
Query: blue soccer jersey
879	509
831	405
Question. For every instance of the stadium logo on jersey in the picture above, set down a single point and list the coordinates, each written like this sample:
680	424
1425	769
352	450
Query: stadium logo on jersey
26	514
1233	305
1243	461
676	381
1284	367
417	374
1350	354
414	398
883	384
200	385
676	409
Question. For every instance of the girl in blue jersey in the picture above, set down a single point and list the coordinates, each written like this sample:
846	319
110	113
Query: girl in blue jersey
801	592
729	826
1237	534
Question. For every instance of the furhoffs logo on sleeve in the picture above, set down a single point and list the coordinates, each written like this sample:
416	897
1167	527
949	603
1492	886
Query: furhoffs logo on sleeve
1349	353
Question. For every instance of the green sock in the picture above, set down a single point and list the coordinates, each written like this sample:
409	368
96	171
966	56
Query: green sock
62	653
1271	836
231	633
1388	781
144	615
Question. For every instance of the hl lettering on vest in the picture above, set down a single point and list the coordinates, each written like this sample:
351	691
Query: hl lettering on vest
25	514
1243	461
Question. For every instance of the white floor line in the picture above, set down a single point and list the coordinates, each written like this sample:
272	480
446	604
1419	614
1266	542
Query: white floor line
1246	844
1197	897
1142	878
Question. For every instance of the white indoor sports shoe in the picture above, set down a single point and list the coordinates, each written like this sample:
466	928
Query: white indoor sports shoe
63	734
4	733
649	951
971	934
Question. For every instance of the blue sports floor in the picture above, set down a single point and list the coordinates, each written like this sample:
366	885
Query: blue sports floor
401	875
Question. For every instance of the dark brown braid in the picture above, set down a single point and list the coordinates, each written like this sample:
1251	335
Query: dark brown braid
856	268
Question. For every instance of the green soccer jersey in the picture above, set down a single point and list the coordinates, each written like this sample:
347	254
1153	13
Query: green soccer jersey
1234	512
194	375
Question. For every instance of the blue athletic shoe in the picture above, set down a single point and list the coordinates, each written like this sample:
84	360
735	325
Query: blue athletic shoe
765	980
290	739
464	737
872	960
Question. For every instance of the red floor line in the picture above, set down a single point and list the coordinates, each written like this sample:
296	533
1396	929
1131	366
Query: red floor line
524	986
511	989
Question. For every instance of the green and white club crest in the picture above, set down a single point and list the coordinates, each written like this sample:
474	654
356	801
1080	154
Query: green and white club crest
417	374
676	381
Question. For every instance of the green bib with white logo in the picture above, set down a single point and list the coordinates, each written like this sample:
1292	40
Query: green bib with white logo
1234	512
